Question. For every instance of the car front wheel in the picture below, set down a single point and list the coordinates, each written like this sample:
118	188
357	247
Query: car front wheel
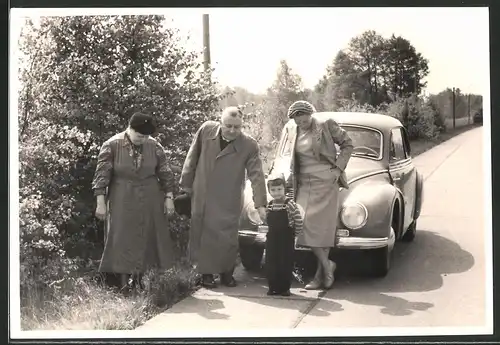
381	259
410	234
251	257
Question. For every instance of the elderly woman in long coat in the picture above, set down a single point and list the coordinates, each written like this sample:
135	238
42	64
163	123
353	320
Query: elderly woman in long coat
132	184
214	175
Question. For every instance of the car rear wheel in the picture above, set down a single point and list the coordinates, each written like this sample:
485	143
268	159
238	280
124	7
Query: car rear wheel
251	257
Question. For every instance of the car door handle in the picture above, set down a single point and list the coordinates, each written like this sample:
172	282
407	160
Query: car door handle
397	178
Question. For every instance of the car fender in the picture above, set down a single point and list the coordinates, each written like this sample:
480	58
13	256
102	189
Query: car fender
379	198
419	192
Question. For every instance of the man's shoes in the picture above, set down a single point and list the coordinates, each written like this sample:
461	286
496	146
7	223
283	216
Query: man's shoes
227	280
208	281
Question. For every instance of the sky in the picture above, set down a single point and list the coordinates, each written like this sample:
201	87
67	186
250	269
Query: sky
248	43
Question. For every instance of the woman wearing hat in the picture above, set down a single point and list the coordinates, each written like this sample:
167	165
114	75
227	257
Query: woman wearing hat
317	175
132	184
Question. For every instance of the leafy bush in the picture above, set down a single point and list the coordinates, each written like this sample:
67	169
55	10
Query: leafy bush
49	207
258	124
352	105
417	116
422	119
439	122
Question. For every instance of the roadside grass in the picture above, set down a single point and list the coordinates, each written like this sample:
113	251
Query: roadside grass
85	303
420	146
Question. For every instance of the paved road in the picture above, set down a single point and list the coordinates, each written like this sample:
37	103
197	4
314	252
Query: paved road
438	280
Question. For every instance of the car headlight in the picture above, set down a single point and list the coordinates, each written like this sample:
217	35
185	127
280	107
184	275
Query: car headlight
354	215
253	214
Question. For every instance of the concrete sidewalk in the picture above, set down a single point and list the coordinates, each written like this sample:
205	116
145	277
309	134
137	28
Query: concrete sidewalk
246	306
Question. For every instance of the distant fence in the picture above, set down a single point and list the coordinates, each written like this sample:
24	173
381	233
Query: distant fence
460	122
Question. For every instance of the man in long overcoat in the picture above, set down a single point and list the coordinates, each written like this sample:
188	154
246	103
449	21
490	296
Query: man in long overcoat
214	175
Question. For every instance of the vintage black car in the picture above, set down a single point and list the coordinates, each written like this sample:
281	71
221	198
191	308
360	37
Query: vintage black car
478	117
381	205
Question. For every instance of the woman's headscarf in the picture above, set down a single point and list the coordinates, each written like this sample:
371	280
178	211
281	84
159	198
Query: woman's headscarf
300	108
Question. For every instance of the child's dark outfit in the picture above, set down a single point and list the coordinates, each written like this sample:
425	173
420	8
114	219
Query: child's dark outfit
284	221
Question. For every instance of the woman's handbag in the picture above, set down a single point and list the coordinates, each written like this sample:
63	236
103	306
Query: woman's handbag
182	204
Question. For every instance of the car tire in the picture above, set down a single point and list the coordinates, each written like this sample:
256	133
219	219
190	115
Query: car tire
382	257
381	260
410	234
251	257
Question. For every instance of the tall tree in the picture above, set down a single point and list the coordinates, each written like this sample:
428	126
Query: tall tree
367	55
344	80
371	69
286	89
404	69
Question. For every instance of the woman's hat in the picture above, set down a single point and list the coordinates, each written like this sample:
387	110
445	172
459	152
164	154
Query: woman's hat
142	123
182	205
300	108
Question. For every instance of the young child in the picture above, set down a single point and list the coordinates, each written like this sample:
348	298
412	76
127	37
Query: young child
284	223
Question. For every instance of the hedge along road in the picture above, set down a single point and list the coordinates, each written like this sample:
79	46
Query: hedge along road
438	280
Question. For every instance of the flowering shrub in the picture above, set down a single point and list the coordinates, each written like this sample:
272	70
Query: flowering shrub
47	205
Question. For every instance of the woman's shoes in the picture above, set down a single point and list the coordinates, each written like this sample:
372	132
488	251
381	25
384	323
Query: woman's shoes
330	274
316	283
329	277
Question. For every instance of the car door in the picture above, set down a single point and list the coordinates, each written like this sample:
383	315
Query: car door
410	188
401	169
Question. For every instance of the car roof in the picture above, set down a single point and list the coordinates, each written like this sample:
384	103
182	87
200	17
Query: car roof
378	121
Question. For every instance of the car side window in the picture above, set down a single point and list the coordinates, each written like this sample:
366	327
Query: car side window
397	150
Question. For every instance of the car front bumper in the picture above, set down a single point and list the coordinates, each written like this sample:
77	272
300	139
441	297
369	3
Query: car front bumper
253	237
362	242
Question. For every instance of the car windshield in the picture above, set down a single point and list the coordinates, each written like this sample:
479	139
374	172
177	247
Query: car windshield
367	142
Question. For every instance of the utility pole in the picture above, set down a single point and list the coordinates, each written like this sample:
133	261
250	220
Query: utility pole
206	42
468	107
453	107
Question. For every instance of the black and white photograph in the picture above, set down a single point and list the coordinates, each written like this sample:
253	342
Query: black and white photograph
249	172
